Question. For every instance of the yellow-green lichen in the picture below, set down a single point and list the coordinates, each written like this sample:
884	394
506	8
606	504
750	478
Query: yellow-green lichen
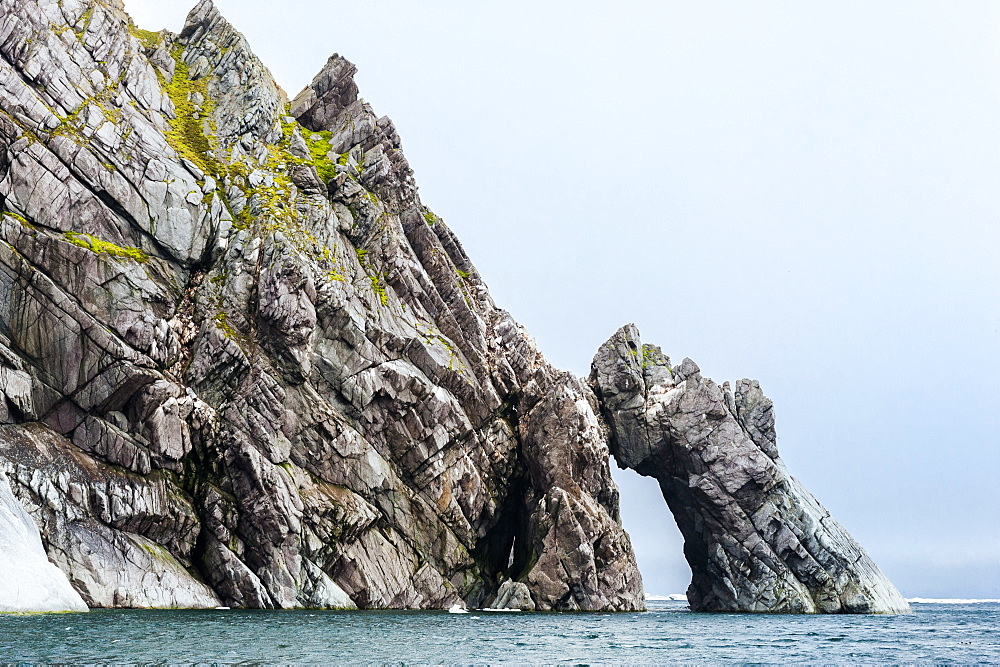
652	356
18	217
157	551
274	202
222	321
319	150
430	334
376	279
84	21
96	245
72	125
187	133
273	205
329	256
149	39
379	288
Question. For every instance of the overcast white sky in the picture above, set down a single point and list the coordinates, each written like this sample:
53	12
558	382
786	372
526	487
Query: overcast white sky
803	193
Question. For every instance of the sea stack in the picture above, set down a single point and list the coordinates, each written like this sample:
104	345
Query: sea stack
755	539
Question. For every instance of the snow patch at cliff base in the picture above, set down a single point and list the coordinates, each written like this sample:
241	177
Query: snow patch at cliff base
28	581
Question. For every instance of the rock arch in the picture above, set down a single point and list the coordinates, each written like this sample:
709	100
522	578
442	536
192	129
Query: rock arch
754	537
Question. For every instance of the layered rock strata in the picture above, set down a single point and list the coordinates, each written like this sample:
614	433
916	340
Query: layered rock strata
241	363
755	539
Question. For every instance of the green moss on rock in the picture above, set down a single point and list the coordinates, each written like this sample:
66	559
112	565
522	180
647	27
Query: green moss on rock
18	217
149	39
187	129
319	150
96	245
222	321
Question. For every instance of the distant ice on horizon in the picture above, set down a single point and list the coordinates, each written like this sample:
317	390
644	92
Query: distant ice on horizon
949	601
673	597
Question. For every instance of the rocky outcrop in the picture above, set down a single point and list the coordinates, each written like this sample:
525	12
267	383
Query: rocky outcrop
514	595
755	539
30	583
241	363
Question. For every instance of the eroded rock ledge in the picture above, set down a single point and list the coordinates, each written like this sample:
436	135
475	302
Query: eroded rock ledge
755	539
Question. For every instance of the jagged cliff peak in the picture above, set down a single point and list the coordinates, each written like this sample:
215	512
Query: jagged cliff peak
332	91
204	16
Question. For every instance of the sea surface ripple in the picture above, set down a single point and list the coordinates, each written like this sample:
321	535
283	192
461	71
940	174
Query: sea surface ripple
667	633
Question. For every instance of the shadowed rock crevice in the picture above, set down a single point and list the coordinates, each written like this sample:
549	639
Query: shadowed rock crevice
755	539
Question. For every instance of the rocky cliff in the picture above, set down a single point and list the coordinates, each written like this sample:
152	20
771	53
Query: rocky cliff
241	363
755	539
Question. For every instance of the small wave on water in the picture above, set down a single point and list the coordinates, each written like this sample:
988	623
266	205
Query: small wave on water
951	601
667	633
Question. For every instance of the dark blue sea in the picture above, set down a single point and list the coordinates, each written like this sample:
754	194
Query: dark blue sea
667	633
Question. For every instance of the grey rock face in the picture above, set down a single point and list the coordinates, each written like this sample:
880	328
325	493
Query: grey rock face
755	539
513	595
329	95
241	363
115	535
30	583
